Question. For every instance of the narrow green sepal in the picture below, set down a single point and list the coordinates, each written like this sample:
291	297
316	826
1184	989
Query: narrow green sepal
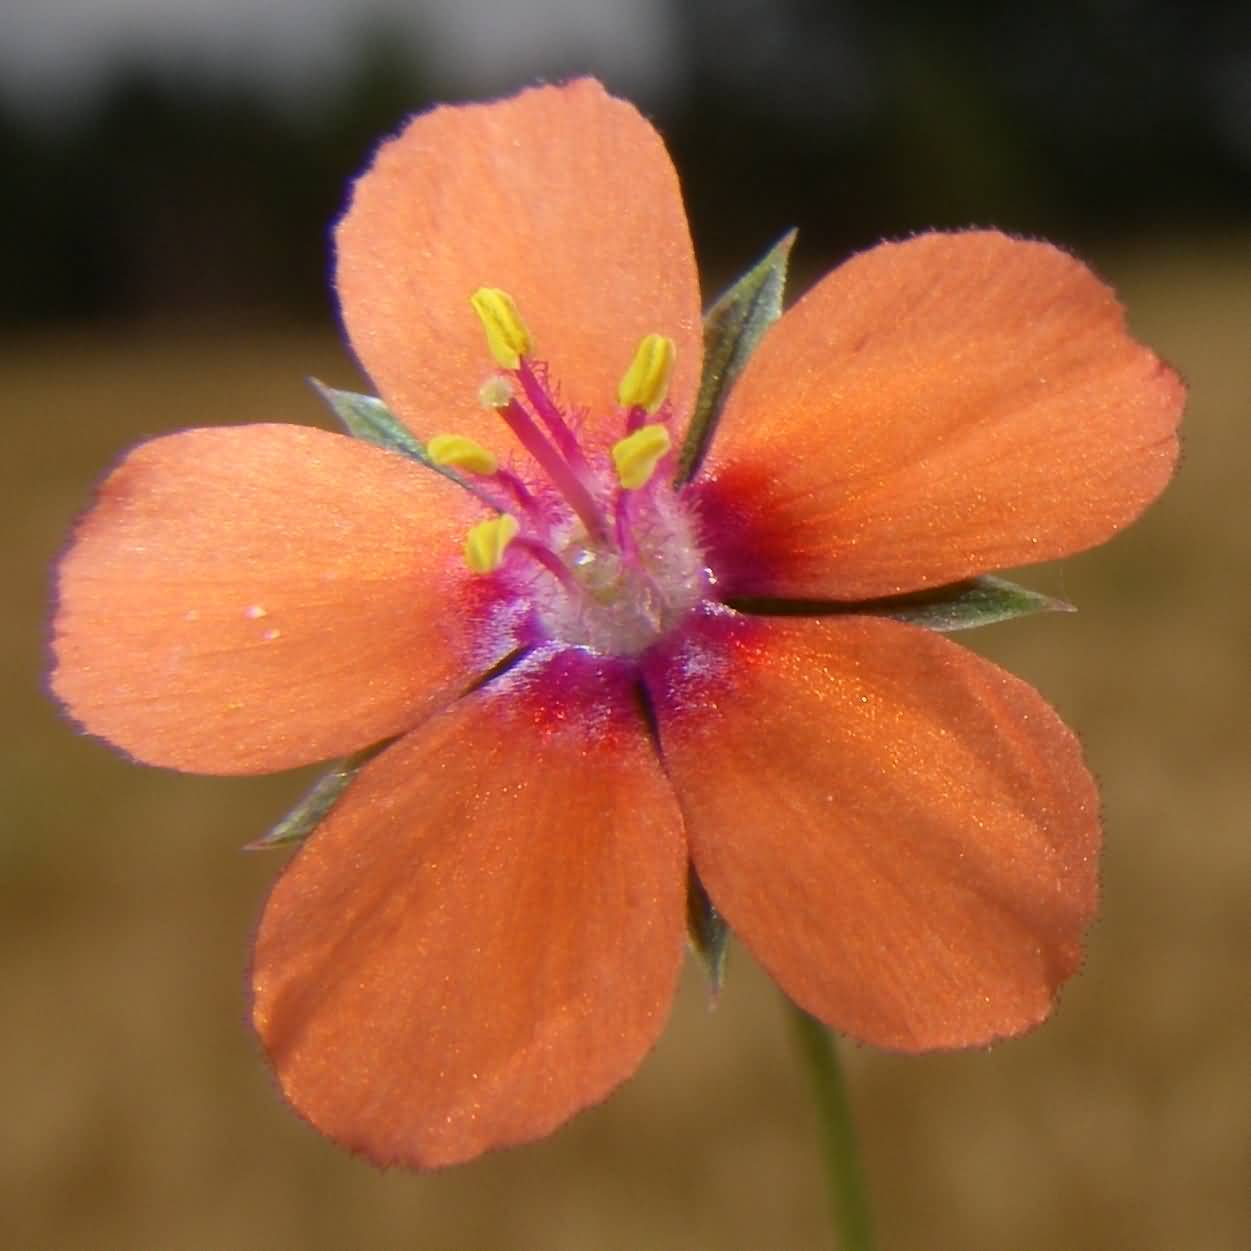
317	802
368	418
706	928
978	602
733	327
958	606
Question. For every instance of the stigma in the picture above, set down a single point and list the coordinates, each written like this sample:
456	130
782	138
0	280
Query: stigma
597	543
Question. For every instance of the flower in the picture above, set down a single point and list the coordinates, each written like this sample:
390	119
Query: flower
587	672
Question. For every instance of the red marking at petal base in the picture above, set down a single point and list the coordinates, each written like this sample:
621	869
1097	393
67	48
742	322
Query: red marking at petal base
485	935
904	835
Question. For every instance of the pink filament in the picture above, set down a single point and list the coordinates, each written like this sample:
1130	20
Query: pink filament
557	468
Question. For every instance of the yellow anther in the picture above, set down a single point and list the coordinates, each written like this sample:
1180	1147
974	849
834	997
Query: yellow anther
637	455
461	453
506	333
487	542
647	380
495	393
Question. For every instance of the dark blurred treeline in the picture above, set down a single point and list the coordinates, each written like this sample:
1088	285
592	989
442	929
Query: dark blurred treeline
1081	121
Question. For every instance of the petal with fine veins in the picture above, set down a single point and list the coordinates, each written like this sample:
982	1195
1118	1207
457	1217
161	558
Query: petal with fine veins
484	938
252	598
932	410
563	197
903	834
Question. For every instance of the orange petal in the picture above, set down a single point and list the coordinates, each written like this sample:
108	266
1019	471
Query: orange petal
484	938
562	196
904	835
932	410
248	599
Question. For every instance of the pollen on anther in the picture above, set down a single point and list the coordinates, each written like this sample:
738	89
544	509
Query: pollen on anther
646	383
487	542
459	452
636	456
506	334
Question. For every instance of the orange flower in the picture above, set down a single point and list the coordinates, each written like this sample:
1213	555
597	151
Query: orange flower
608	679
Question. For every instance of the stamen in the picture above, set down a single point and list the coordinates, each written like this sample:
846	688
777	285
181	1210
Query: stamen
487	542
621	519
636	456
518	489
629	546
506	334
495	392
550	561
646	382
461	453
549	414
557	468
612	567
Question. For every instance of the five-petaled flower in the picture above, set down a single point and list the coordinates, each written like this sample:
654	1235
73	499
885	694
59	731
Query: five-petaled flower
576	697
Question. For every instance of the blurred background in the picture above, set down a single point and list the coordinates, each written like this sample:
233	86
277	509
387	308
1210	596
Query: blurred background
171	169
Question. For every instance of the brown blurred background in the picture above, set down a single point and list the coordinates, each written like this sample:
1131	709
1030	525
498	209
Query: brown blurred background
170	174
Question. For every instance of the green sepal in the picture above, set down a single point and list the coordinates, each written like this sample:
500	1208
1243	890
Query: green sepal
733	327
706	928
958	606
317	802
368	418
966	605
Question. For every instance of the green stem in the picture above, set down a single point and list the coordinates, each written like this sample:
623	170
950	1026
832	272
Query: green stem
844	1175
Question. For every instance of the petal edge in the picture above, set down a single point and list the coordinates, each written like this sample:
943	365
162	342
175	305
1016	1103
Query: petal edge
564	197
903	834
939	408
251	598
485	936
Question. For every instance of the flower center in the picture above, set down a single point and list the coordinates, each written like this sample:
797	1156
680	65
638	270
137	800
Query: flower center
601	548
